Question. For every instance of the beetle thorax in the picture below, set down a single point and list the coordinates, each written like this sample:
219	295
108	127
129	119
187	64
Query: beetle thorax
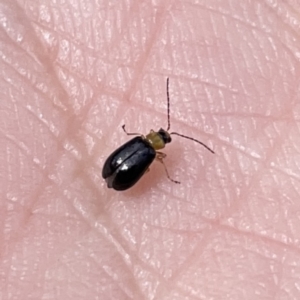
158	139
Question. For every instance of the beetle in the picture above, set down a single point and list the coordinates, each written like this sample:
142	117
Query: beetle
127	164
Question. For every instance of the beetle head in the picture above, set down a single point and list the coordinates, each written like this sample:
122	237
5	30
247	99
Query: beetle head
165	136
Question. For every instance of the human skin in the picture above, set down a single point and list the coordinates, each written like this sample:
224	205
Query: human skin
73	72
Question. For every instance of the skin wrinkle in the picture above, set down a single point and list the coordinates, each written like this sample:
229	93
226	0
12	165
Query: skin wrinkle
132	254
188	263
127	266
143	60
45	258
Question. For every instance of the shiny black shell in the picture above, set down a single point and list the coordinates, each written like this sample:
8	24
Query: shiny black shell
126	165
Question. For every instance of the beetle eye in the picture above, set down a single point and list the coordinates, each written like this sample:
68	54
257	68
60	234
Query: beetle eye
165	136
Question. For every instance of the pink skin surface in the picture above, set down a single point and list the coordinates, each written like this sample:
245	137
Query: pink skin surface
72	72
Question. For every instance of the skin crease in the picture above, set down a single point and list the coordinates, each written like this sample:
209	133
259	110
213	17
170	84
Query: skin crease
73	72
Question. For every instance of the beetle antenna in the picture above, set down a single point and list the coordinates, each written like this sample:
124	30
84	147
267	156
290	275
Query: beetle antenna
168	101
169	124
190	138
129	133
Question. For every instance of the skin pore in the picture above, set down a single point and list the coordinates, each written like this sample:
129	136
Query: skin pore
73	72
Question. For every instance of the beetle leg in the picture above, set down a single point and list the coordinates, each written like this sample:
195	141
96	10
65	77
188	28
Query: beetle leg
160	157
129	133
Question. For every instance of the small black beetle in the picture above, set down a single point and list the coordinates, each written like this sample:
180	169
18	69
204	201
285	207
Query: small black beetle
126	165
